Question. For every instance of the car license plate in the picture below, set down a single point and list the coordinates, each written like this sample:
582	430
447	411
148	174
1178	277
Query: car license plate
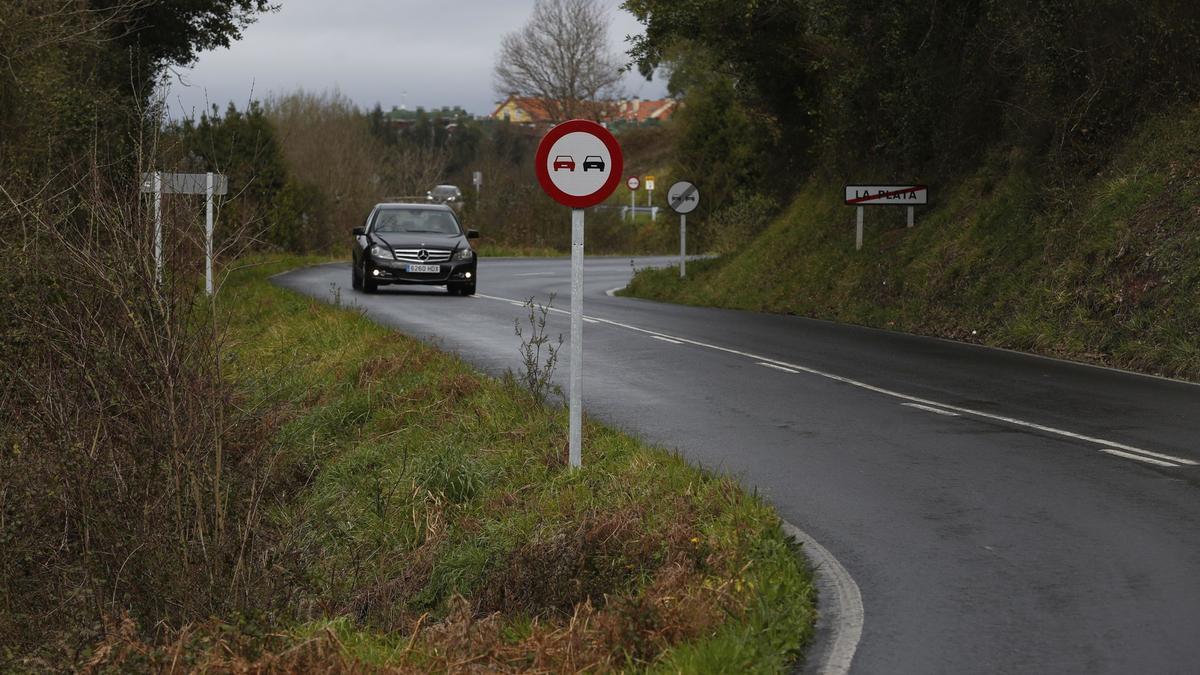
424	269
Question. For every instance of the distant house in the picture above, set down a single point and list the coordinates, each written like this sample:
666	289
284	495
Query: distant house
638	111
537	112
523	110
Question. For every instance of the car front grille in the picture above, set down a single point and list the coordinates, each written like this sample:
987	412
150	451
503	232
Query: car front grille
413	255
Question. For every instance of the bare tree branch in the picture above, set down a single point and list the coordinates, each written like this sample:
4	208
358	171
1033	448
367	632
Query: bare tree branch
562	57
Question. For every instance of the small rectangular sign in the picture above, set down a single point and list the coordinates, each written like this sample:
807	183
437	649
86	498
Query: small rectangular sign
186	183
887	195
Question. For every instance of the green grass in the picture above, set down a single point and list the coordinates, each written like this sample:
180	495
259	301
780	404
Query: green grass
1104	268
433	521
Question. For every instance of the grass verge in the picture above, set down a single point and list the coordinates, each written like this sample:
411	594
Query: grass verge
1103	268
431	523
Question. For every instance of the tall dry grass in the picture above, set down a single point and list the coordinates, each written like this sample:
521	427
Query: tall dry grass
131	478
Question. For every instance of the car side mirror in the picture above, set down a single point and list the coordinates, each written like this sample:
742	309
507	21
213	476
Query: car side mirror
359	231
472	234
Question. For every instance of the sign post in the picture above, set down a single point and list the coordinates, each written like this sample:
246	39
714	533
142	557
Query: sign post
578	164
477	179
683	198
633	183
158	252
208	235
650	198
859	196
207	184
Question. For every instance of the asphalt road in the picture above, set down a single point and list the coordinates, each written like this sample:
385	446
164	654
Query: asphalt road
1000	512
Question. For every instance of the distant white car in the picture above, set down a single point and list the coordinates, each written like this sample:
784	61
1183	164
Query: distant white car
446	194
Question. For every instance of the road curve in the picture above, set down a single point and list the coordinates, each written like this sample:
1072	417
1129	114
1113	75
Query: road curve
1000	512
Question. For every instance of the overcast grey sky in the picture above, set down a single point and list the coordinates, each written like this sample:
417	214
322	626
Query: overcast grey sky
431	53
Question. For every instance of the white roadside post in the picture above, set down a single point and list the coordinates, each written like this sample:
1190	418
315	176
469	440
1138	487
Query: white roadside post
859	196
208	234
158	235
858	233
683	198
579	165
576	404
650	199
477	179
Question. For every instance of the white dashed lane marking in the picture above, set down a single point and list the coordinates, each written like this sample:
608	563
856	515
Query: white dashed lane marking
931	409
1106	446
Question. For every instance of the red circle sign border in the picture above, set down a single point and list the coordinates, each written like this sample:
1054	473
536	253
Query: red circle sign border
615	156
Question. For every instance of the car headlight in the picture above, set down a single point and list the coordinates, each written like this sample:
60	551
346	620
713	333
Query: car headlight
382	253
464	254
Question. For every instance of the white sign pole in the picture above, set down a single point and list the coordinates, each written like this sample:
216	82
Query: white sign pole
682	245
859	233
910	216
633	206
158	252
208	236
576	404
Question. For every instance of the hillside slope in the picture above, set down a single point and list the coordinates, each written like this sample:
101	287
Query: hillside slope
1106	270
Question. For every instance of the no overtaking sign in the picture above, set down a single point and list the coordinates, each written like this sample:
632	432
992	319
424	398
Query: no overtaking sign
579	165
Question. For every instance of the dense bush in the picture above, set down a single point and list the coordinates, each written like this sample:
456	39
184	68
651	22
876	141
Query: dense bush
921	87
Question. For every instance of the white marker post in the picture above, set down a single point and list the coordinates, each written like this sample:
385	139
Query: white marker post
477	179
859	196
683	198
650	199
576	404
578	164
858	233
158	236
208	235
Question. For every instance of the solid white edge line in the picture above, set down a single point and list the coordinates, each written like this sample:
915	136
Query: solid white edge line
931	409
904	397
666	339
775	367
612	292
1130	455
840	614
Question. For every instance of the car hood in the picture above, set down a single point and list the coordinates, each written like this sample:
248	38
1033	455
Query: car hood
420	240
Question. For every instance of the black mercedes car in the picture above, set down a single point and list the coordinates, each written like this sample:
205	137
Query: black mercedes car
414	244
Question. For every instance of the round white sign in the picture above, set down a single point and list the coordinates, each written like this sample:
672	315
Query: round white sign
683	197
579	164
633	183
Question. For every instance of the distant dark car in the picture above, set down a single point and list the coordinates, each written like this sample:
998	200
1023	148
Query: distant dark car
446	194
593	162
564	162
414	244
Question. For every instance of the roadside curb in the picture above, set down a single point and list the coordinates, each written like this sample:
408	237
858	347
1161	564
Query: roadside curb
840	609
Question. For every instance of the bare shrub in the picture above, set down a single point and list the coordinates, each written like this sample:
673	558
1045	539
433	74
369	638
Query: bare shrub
328	146
129	478
539	353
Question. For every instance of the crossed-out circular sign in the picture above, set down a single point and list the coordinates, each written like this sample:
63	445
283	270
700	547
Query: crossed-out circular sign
633	183
579	163
683	197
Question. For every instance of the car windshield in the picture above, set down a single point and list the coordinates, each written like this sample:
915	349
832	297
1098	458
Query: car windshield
427	221
445	191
